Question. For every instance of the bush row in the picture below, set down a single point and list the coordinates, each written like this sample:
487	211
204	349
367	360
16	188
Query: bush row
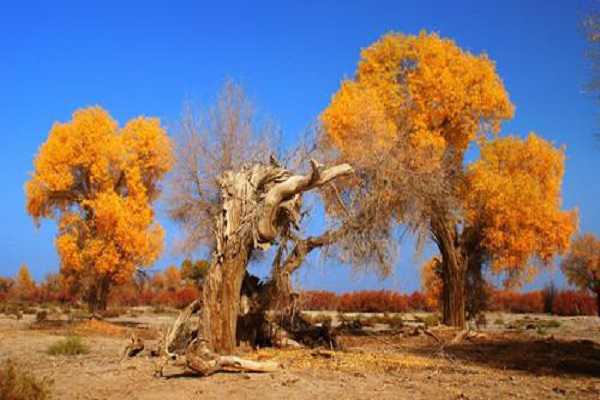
364	301
563	302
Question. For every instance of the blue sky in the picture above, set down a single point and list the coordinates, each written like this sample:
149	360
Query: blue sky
149	57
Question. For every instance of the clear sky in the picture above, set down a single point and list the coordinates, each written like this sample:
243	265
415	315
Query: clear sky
148	57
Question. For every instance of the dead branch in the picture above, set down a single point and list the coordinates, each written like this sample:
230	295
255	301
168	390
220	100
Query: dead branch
134	347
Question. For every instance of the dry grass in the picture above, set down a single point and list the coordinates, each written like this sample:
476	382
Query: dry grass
350	362
69	346
16	383
95	327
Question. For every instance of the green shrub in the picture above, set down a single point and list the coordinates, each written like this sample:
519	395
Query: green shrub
16	383
69	346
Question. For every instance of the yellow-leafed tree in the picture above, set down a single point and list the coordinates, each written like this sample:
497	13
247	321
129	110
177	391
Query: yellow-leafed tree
582	265
98	181
431	282
426	91
25	285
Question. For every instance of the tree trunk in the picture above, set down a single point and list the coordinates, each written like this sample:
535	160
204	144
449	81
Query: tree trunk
453	293
598	303
258	203
454	268
221	299
97	296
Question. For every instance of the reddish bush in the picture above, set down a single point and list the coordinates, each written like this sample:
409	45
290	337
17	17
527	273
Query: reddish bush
185	296
373	301
570	302
417	301
509	301
176	298
319	300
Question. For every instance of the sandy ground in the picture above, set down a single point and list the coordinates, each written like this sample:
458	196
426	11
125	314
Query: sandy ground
556	363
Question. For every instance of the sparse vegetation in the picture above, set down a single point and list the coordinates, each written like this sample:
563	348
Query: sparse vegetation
17	382
69	346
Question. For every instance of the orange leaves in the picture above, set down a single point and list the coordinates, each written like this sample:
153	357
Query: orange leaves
513	195
431	282
423	86
582	263
98	181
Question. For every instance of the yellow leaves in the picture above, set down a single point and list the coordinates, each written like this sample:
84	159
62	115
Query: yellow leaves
582	263
99	181
24	281
513	195
431	281
423	86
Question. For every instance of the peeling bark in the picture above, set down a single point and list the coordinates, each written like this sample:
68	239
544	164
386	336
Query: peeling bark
258	203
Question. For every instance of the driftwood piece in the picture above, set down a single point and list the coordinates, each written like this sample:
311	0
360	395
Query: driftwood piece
467	334
134	347
204	362
181	333
184	349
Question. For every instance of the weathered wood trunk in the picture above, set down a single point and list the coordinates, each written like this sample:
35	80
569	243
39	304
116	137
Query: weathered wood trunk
221	299
258	203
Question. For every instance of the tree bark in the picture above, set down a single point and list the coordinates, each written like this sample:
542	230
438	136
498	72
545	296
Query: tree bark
453	293
454	268
598	302
221	299
257	204
97	296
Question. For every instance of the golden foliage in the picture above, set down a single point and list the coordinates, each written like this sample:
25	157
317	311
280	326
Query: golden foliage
431	282
513	196
424	86
582	263
25	285
98	182
428	92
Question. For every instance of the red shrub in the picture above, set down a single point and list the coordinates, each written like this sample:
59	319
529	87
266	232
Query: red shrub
570	302
319	300
418	302
509	301
184	296
373	301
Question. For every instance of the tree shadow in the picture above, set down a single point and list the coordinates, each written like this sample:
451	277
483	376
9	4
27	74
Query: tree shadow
539	357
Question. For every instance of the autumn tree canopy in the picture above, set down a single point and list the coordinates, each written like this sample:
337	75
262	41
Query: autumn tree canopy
582	264
98	181
512	201
433	99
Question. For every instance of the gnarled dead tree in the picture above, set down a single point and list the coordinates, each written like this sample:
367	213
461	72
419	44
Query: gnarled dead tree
258	202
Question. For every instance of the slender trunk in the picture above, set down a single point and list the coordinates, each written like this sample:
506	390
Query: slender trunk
598	302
